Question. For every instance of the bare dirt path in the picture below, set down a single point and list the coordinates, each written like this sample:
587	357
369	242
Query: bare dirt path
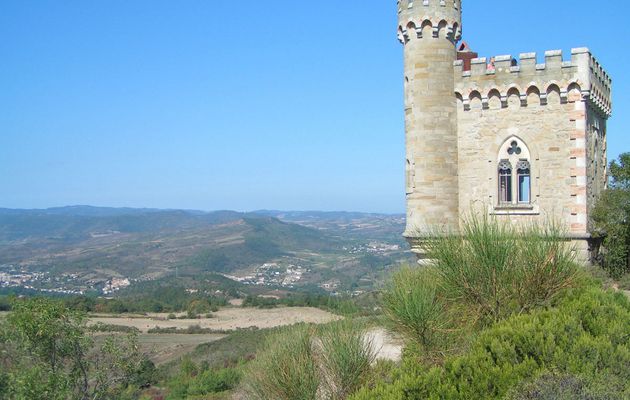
387	346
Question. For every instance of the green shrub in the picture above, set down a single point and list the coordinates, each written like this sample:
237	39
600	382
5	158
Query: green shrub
211	381
308	363
550	386
345	357
286	370
586	335
411	302
495	269
4	385
610	218
101	327
194	382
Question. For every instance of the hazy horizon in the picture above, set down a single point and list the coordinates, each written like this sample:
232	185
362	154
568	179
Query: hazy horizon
253	211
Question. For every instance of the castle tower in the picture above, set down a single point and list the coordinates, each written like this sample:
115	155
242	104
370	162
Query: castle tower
429	31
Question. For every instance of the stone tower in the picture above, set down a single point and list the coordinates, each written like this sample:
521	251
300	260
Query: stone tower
429	31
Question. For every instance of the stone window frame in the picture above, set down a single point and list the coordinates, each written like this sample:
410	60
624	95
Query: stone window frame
515	159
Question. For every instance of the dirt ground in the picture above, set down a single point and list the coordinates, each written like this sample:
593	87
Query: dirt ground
387	347
226	319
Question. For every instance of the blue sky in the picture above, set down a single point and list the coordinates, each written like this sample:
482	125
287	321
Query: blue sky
223	104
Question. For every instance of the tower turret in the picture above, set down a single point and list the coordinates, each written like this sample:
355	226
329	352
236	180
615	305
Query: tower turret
429	31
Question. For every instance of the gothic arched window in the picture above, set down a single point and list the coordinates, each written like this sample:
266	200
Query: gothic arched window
514	174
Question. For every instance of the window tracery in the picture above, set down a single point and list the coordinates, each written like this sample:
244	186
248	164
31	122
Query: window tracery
514	174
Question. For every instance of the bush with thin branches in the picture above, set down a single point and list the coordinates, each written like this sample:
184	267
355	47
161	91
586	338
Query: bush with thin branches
496	269
285	369
305	362
345	355
412	303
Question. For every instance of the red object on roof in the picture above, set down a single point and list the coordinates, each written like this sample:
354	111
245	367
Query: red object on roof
465	54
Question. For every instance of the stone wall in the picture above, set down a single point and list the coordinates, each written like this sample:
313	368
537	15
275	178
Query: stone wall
559	111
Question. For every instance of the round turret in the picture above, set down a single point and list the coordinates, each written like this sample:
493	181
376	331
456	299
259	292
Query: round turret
429	30
437	18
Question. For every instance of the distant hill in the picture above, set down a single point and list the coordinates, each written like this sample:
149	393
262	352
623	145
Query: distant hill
85	211
94	244
322	215
80	222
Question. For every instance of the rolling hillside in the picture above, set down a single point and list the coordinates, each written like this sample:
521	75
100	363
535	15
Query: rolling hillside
87	247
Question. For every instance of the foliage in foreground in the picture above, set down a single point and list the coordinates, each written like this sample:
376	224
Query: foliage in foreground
197	381
584	336
46	353
414	306
308	363
496	269
487	274
554	386
611	218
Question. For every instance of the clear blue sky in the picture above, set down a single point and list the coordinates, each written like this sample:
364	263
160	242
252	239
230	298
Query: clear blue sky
249	104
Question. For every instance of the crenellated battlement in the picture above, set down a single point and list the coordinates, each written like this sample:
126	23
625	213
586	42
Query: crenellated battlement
419	19
405	5
503	76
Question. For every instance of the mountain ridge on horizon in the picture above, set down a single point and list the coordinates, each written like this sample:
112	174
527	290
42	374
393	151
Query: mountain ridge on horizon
90	210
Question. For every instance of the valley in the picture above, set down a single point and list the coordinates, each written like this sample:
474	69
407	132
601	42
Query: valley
103	251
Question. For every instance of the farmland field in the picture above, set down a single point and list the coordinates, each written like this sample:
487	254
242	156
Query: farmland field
225	319
163	348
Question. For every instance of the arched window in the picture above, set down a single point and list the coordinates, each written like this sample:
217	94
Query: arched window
505	182
514	174
523	172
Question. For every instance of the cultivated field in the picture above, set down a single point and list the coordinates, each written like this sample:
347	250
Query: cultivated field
162	348
225	319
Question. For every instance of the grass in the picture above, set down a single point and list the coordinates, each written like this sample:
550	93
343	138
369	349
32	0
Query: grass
237	347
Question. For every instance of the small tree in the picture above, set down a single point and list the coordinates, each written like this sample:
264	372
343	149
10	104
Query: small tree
611	219
47	354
